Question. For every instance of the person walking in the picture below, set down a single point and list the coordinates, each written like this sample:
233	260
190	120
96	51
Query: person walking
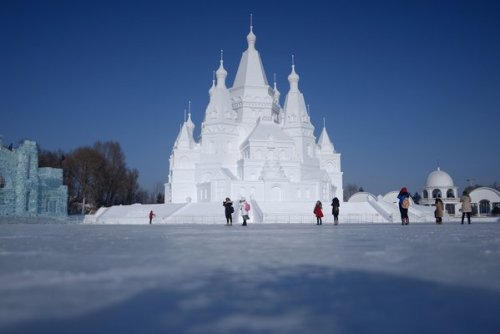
466	206
245	209
438	213
228	210
151	215
318	212
404	204
335	210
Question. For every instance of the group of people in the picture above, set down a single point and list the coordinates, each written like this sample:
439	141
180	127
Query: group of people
229	210
404	204
244	208
318	211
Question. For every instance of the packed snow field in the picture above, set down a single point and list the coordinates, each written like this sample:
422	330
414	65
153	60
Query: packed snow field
275	278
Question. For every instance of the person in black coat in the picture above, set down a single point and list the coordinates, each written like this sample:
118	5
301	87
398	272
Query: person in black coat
335	210
228	210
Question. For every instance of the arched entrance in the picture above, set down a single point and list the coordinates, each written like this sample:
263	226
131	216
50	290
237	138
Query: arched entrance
484	207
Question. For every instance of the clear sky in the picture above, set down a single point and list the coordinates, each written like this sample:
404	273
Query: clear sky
404	86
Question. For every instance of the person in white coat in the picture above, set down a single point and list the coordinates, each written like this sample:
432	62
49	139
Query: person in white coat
466	206
244	208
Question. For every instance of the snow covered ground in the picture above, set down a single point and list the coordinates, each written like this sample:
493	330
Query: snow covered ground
266	278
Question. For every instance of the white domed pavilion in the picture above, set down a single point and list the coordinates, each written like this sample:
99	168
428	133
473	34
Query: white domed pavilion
440	185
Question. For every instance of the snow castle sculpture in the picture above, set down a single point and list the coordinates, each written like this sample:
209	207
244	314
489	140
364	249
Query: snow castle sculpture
252	147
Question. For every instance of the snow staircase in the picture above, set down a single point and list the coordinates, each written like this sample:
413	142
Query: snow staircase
370	211
133	214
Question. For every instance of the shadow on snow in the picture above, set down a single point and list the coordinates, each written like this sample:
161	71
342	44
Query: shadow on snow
306	299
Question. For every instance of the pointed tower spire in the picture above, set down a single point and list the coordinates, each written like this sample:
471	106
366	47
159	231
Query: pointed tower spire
293	78
219	105
324	142
296	110
185	137
251	38
250	71
189	123
221	72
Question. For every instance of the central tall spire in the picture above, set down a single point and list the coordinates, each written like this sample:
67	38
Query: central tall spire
251	38
251	71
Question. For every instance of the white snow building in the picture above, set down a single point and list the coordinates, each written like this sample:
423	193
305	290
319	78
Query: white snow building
485	201
251	147
439	184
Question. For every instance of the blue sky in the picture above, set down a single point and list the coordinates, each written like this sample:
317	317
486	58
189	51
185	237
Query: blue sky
403	85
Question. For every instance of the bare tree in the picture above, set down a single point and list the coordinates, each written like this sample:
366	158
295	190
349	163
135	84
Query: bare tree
113	178
81	172
96	176
50	159
350	190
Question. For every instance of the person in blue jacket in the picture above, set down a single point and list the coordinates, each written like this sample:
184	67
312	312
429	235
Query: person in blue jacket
404	204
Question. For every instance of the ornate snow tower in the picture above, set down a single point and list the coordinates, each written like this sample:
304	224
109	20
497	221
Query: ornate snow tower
252	147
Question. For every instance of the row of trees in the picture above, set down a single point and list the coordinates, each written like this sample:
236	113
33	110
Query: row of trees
97	176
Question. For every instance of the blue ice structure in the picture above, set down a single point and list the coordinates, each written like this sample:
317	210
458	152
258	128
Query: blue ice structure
27	190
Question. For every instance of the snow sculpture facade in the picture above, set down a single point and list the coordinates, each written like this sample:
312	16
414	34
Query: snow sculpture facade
253	147
27	190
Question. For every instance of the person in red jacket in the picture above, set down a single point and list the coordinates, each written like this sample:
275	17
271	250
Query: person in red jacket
151	215
318	212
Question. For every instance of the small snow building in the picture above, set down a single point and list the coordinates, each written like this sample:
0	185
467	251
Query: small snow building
439	184
485	201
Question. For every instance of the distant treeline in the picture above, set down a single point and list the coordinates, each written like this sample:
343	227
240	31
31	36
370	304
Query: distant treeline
97	176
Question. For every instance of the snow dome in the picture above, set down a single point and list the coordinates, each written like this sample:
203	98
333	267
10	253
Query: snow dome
361	197
438	179
440	185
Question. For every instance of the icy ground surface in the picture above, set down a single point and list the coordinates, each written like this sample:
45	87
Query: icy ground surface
73	278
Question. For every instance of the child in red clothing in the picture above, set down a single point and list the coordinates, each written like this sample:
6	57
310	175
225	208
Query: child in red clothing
318	212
